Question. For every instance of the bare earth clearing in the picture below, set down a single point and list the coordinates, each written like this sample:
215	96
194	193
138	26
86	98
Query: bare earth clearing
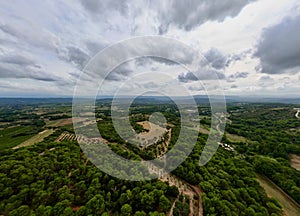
187	190
193	192
295	161
297	114
184	188
148	138
60	122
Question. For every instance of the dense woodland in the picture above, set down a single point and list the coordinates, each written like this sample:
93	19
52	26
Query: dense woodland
272	133
37	181
55	178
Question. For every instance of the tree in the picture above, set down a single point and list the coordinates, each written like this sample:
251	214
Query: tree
59	208
172	191
68	211
148	201
126	210
140	213
96	205
164	203
22	210
250	211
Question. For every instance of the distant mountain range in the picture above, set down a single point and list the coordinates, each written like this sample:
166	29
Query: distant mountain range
157	99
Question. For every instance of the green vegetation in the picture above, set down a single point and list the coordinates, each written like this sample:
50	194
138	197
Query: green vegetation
137	127
274	191
59	182
36	139
269	129
228	184
13	136
280	173
235	138
55	178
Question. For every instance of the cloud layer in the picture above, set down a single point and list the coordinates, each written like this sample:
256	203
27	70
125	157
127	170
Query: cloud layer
279	47
47	46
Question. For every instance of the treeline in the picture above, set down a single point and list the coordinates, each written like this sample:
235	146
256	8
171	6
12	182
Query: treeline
272	133
134	119
108	132
228	184
271	127
282	175
56	117
57	179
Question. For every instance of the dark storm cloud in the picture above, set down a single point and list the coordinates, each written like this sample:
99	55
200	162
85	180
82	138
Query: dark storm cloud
192	13
185	15
279	47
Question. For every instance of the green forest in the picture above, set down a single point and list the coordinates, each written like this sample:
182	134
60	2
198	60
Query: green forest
54	177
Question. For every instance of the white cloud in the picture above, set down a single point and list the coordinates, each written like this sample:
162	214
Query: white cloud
49	42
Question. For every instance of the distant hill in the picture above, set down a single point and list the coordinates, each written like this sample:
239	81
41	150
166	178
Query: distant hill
200	99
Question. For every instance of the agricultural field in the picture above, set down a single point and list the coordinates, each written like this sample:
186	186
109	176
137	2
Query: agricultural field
60	122
15	135
290	207
36	138
235	138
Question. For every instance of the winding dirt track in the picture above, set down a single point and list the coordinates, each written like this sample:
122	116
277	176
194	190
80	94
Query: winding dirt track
297	113
184	188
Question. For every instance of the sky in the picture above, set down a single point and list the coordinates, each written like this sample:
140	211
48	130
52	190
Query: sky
252	48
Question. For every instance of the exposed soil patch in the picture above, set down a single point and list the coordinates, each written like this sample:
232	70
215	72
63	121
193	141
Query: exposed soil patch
295	161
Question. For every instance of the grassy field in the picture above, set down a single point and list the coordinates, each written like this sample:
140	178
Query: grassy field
10	137
235	138
203	130
288	204
35	139
59	122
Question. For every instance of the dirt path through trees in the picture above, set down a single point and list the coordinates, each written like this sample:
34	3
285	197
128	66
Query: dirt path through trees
186	189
